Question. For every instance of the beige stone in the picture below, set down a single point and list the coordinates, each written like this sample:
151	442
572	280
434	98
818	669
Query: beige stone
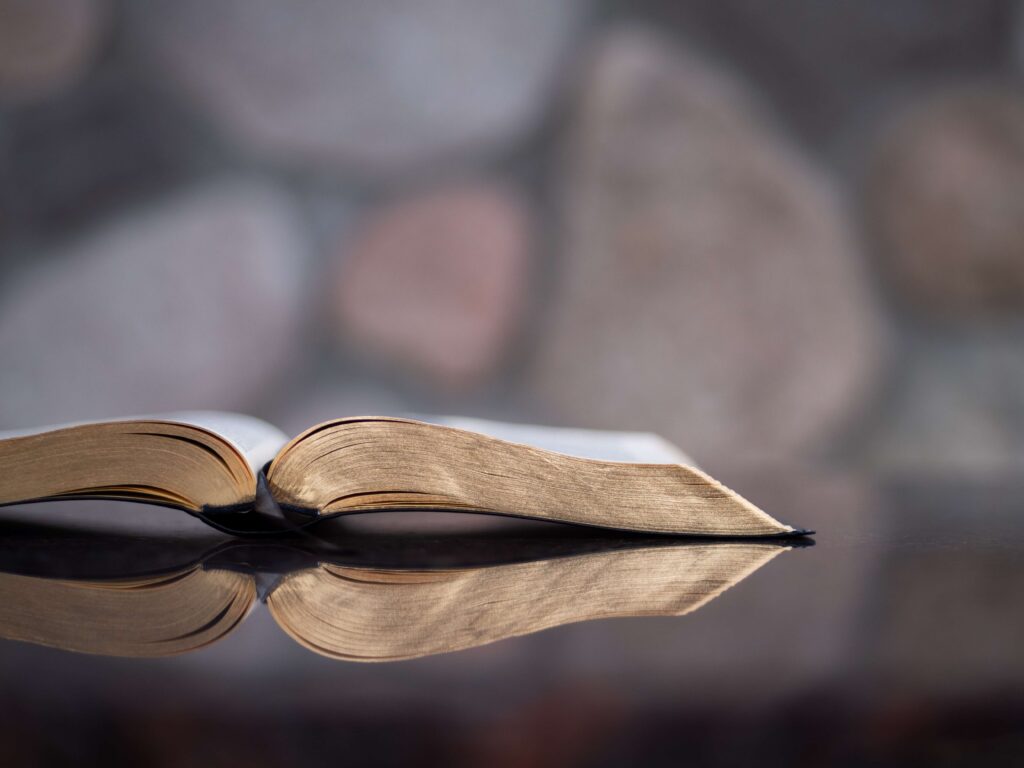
711	290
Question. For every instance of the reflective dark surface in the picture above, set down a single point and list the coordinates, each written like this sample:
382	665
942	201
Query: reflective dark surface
896	639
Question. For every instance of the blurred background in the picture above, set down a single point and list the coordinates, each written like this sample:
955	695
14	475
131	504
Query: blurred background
789	231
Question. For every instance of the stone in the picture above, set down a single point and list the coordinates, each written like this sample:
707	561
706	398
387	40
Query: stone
364	86
109	142
824	65
710	290
1018	39
192	303
436	283
944	197
957	407
45	45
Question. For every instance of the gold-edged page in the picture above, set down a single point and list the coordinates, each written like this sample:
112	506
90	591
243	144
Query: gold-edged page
190	460
603	445
256	440
375	463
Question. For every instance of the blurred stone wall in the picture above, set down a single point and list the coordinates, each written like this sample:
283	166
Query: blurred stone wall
788	231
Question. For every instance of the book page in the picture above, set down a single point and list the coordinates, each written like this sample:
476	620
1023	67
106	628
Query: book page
255	439
258	441
634	447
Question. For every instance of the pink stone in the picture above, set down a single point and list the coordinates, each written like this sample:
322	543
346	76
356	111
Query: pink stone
437	283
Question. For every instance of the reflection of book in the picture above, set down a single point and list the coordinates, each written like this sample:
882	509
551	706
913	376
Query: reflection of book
220	466
154	616
362	612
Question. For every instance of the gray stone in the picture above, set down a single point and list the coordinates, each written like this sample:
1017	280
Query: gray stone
46	45
945	200
193	303
959	407
710	289
364	85
109	142
436	283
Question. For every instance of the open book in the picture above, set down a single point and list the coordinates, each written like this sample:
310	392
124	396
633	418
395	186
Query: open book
357	606
221	466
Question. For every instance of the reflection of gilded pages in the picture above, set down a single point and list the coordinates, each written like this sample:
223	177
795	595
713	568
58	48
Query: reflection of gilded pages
367	614
157	616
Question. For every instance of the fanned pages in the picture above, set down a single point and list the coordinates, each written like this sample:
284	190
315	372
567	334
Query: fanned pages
366	465
209	464
187	460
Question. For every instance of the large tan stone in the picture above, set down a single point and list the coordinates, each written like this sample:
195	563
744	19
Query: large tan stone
710	290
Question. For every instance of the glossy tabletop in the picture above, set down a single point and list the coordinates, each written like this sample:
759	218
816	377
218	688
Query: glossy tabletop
893	636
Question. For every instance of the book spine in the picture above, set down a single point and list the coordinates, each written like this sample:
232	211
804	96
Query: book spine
260	517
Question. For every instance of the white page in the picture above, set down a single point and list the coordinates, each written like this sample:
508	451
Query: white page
258	441
635	447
